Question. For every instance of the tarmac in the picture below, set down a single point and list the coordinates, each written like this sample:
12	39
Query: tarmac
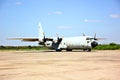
51	65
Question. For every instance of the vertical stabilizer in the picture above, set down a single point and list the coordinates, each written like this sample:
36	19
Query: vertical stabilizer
41	33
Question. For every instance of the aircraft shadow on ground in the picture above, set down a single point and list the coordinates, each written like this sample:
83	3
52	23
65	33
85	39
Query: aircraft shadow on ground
53	51
65	51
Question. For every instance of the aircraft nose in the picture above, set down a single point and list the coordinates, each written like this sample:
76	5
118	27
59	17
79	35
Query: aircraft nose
94	44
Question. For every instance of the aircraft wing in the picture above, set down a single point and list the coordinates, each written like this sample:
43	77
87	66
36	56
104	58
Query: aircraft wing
26	39
100	38
31	39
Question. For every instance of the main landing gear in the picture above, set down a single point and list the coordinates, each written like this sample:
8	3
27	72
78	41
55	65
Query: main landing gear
58	50
87	50
68	49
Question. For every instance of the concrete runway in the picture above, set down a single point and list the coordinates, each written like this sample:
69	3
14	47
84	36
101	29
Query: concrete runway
50	65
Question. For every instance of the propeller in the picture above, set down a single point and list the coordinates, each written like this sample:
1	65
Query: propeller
43	40
83	34
58	39
57	36
95	37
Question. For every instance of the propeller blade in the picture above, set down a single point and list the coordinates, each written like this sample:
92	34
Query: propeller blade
100	38
95	35
83	34
57	36
58	39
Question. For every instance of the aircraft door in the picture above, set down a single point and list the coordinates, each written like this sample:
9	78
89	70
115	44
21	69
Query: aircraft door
88	42
63	45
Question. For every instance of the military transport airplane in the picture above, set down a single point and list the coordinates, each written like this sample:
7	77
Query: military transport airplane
64	43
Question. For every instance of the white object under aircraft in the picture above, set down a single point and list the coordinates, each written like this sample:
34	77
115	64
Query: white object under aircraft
65	43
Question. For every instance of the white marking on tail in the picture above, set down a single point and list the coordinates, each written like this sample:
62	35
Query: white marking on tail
41	33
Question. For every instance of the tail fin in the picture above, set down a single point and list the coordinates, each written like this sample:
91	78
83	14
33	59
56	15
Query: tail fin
41	33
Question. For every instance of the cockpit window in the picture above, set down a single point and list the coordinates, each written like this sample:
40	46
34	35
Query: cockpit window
87	38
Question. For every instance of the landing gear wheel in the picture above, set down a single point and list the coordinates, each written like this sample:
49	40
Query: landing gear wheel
68	49
58	50
88	50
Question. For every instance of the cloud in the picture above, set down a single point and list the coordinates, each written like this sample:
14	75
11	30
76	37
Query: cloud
64	27
115	16
18	3
86	20
56	13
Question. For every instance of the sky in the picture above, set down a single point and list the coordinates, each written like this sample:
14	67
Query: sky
20	18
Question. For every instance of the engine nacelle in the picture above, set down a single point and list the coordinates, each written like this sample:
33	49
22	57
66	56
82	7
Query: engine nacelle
48	44
41	43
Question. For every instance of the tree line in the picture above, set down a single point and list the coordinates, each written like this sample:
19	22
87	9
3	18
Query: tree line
22	48
110	46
